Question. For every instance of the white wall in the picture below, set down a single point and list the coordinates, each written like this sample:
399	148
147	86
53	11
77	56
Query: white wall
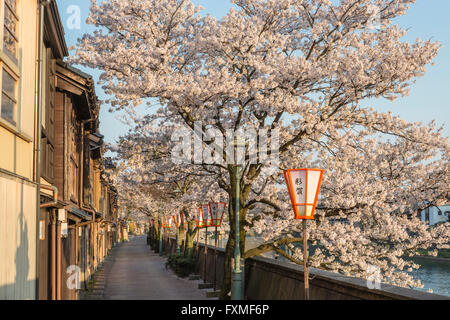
435	217
17	239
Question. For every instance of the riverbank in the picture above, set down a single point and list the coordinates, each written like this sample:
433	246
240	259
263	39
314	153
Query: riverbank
438	259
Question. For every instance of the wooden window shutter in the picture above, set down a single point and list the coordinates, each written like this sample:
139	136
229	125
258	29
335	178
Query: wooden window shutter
50	162
44	156
86	169
51	93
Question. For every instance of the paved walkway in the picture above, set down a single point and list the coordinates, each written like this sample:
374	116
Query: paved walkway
135	272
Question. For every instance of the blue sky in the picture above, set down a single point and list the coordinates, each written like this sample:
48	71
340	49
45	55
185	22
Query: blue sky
429	98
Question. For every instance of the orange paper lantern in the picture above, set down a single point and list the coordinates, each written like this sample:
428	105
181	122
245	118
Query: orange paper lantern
167	222
206	214
217	210
175	220
303	186
198	217
183	220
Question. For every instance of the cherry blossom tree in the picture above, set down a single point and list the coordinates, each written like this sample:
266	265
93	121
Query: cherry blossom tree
305	68
150	184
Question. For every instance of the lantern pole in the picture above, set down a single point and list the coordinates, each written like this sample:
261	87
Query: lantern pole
177	225
215	258
305	260
198	233
186	230
236	293
160	237
197	224
205	251
299	197
164	240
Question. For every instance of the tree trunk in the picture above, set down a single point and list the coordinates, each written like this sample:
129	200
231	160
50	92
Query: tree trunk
180	237
155	237
190	236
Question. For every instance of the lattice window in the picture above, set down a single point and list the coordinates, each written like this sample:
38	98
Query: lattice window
48	120
9	97
10	39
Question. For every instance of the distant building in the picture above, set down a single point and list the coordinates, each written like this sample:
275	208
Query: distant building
435	215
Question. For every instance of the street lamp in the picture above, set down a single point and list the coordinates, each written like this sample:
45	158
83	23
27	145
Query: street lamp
170	224
206	218
160	236
217	210
177	219
303	187
236	292
163	234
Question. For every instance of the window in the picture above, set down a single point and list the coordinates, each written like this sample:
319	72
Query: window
74	149
10	22
9	67
9	102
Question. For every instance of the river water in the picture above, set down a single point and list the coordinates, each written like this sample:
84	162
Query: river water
435	275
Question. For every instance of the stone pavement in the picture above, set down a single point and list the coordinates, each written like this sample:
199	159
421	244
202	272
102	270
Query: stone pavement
134	272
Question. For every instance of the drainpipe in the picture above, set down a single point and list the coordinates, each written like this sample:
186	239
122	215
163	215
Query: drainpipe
55	273
53	254
58	259
55	196
76	257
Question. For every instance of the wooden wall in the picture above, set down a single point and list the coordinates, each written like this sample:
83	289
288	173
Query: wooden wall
67	260
59	146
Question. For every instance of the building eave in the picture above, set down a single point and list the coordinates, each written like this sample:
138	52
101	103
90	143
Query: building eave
55	30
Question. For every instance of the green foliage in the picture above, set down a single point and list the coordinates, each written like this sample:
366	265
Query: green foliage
154	244
181	265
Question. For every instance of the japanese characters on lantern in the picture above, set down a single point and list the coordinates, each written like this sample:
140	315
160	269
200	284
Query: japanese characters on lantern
303	187
217	210
206	215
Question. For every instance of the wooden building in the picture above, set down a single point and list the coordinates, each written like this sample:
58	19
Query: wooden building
80	224
18	177
58	216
